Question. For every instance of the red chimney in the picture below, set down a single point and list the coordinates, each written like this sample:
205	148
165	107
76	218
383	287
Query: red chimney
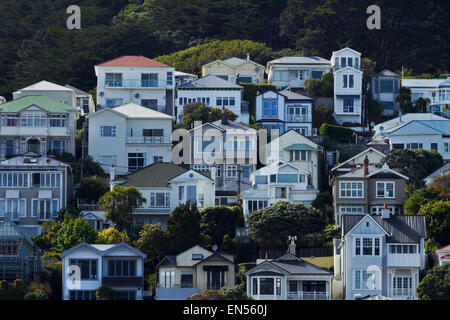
366	165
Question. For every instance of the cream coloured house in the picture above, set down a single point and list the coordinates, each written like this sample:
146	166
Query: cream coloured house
235	70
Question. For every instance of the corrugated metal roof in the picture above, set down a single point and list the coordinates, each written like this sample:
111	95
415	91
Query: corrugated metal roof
136	111
290	95
301	60
210	81
132	61
300	146
46	86
401	228
422	83
44	102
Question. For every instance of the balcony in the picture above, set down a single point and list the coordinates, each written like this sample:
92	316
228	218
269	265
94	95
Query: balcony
138	83
123	281
89	207
297	118
13	216
403	260
302	295
148	140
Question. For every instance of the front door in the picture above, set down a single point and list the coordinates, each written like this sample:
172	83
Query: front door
33	145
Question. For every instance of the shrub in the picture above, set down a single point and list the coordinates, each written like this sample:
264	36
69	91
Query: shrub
36	295
335	132
105	293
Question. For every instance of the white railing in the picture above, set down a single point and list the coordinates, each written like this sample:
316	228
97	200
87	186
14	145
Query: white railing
401	292
297	118
302	295
89	207
148	140
403	259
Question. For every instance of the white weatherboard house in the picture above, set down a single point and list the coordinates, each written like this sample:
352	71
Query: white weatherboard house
292	147
235	151
213	92
347	85
284	110
129	137
421	134
278	181
235	70
165	186
288	278
36	124
136	79
436	90
85	102
293	71
380	255
87	267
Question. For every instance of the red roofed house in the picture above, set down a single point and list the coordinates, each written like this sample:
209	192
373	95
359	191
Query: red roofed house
443	255
138	80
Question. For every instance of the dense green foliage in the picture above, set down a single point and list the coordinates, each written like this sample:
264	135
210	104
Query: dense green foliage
322	87
273	225
154	242
36	44
196	111
92	188
436	284
111	236
415	164
335	132
72	232
218	221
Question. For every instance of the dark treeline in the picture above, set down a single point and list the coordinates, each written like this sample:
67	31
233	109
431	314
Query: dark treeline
35	43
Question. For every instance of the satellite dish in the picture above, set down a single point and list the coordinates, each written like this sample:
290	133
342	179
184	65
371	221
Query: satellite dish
136	95
372	124
191	175
102	94
215	247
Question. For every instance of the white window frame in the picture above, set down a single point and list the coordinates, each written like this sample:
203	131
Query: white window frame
376	281
351	209
361	242
113	131
351	189
385	195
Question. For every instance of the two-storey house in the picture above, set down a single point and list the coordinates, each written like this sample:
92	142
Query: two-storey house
85	102
229	151
436	91
36	124
129	137
374	156
293	147
86	267
138	80
33	189
235	70
20	257
384	88
193	271
212	91
380	255
165	186
278	181
368	189
347	85
284	110
293	71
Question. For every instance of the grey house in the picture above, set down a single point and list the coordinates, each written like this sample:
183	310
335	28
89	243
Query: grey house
379	255
33	189
385	89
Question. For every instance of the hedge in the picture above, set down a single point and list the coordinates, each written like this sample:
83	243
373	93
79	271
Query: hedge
335	132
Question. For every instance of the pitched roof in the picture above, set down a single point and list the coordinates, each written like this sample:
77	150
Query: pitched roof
395	122
9	230
387	73
132	61
78	92
33	160
421	83
417	127
132	110
371	149
300	146
210	81
300	60
232	126
445	169
401	228
157	174
444	249
103	249
44	102
46	86
291	95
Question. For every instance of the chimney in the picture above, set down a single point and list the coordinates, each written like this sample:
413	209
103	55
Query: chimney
292	245
112	176
385	213
366	165
248	56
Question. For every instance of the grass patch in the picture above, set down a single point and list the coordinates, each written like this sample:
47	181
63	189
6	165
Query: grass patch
323	262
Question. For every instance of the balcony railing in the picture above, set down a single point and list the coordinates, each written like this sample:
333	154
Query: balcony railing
401	292
302	295
148	140
123	281
137	83
297	118
89	207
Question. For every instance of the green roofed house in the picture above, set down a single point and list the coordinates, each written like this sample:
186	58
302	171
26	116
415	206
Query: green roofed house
36	123
19	255
165	186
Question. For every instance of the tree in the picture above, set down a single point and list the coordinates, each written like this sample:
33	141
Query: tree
229	245
368	69
183	226
238	292
111	236
105	293
441	187
416	200
324	203
91	189
374	110
323	115
36	295
415	164
208	295
217	221
322	87
154	242
196	111
436	284
404	99
119	205
421	104
273	225
73	231
437	214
